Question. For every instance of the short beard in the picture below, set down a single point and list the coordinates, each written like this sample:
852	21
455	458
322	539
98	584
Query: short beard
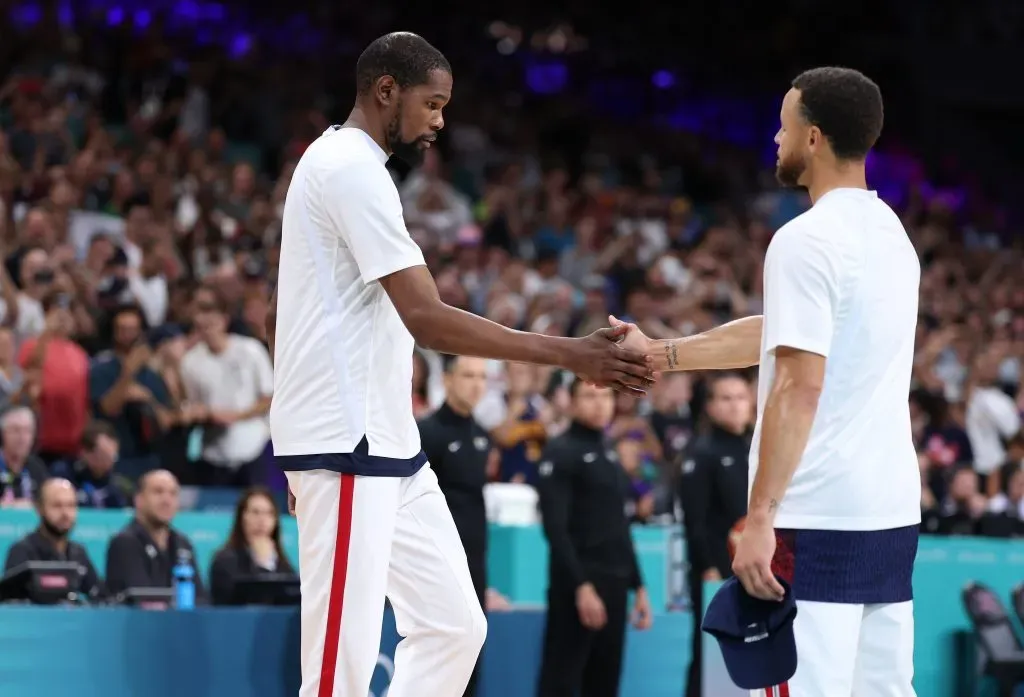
788	173
409	153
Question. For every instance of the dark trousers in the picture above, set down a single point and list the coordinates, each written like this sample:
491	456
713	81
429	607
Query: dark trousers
478	571
576	660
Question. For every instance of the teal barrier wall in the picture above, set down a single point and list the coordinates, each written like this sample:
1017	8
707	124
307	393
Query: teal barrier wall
518	567
254	652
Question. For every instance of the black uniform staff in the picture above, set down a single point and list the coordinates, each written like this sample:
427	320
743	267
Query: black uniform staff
583	495
457	448
713	494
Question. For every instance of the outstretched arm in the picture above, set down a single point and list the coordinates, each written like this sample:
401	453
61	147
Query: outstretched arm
598	358
364	205
730	347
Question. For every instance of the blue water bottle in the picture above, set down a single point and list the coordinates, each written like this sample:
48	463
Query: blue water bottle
184	582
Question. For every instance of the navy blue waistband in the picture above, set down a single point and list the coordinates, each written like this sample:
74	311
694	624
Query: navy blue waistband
846	566
358	462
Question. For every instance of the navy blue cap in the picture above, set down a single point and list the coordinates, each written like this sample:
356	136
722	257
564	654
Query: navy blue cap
756	636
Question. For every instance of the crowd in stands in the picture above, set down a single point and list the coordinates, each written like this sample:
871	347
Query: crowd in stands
140	244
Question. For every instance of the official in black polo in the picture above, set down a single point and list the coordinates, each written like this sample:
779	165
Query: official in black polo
58	512
593	566
145	552
458	448
713	494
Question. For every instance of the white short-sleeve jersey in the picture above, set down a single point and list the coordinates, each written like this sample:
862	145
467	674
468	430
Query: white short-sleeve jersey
841	280
343	357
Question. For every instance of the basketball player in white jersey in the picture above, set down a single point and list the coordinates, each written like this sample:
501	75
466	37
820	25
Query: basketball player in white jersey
834	503
354	296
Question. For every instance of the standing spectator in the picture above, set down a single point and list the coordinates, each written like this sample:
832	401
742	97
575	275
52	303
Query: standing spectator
516	425
63	369
125	391
253	546
21	472
93	475
144	553
12	379
232	377
36	282
992	419
169	344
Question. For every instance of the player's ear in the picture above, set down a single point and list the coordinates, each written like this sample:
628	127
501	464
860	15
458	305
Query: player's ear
386	90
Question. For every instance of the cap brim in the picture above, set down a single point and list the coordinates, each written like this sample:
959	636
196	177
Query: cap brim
761	664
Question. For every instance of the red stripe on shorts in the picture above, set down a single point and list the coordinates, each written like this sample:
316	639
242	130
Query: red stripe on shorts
338	576
784	689
769	692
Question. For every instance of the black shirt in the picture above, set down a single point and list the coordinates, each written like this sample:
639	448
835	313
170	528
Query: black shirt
457	448
134	560
37	547
230	564
583	497
713	494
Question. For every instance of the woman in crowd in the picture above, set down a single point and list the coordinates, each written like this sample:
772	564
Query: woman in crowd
253	546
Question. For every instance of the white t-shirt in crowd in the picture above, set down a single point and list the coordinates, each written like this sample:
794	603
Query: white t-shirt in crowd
841	280
232	380
991	418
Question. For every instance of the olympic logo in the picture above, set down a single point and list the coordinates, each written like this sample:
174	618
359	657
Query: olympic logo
384	661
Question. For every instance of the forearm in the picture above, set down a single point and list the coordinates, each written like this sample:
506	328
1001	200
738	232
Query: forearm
731	346
260	408
785	429
449	330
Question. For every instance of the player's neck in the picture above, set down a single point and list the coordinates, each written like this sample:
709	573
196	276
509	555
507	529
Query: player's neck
849	175
358	118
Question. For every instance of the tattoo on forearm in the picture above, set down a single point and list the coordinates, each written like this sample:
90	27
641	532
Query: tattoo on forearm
773	504
671	355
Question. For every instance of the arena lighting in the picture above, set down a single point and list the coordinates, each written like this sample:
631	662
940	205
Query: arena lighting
663	79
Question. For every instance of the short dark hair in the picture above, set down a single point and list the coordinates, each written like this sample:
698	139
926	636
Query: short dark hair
407	57
92	433
846	105
720	376
448	362
220	303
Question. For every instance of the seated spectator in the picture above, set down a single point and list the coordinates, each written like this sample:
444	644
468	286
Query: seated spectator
131	396
21	472
963	506
93	474
232	377
58	513
145	552
1005	516
253	546
63	397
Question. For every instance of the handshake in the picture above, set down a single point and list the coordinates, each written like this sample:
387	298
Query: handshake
620	357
